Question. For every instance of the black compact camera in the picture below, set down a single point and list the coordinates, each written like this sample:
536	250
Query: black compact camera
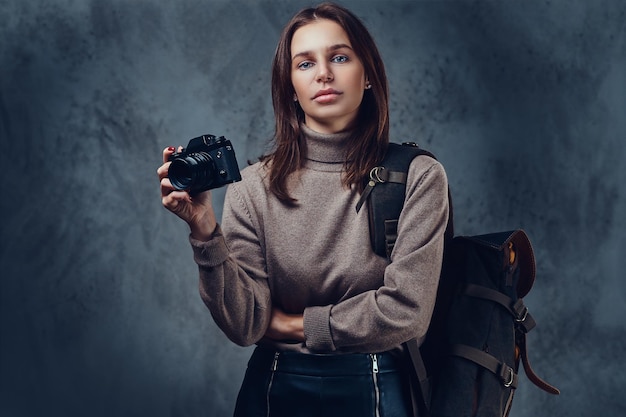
207	162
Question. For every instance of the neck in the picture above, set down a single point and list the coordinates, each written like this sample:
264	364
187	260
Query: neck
325	147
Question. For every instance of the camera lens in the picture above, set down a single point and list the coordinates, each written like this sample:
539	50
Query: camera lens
192	172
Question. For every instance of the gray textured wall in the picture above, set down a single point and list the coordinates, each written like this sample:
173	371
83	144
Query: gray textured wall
524	103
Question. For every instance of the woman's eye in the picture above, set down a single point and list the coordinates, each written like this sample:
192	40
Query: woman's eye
305	65
339	59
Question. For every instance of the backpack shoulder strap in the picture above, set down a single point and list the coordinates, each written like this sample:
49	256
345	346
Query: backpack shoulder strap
386	202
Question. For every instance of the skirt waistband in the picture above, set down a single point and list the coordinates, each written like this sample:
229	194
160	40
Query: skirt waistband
324	364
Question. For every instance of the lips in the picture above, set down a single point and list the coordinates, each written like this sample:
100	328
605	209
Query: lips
328	94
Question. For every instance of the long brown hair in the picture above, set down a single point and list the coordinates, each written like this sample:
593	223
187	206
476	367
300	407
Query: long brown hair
371	134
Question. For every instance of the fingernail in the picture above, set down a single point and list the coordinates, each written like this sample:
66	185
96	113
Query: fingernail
171	149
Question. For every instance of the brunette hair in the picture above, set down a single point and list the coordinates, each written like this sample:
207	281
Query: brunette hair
371	134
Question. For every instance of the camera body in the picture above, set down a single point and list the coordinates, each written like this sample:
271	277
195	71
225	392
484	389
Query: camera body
207	162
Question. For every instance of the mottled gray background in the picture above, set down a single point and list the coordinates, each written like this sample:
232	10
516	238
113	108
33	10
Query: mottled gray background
524	103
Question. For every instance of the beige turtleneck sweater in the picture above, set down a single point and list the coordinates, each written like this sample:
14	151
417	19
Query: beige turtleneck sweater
316	258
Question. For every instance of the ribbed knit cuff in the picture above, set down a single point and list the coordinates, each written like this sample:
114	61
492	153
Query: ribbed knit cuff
211	253
317	329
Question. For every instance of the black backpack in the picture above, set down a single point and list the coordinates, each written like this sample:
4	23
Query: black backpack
468	364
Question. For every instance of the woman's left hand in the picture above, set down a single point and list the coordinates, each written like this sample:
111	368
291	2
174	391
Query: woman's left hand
285	326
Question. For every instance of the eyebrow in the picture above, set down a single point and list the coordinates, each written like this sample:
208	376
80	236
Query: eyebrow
331	48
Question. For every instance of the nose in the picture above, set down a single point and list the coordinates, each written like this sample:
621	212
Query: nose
324	73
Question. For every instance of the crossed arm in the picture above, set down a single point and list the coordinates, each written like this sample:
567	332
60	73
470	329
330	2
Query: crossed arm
285	326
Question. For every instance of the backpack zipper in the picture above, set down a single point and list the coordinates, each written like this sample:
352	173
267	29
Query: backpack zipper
374	358
269	385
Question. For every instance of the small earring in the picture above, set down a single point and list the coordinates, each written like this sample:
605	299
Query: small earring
368	86
295	97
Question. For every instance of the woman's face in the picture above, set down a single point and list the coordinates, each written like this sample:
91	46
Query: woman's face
328	77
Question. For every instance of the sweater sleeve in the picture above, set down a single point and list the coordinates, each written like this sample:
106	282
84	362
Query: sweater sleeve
401	308
235	289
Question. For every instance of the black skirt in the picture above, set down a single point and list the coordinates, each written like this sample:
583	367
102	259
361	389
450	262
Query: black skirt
291	384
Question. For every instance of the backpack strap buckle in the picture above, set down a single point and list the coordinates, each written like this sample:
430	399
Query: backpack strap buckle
378	175
507	380
521	311
375	178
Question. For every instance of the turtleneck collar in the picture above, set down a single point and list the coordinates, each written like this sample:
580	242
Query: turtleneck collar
325	148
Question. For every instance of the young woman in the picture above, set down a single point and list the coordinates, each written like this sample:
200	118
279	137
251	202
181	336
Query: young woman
290	269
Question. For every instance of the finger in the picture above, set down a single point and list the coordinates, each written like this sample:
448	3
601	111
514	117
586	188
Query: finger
167	187
173	200
163	170
167	152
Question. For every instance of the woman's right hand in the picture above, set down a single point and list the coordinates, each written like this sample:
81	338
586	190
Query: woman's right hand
197	211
